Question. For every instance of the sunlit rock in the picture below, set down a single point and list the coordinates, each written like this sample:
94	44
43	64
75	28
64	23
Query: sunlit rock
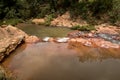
66	21
51	39
38	21
105	28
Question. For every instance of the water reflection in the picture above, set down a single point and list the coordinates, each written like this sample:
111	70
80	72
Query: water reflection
92	54
52	61
44	31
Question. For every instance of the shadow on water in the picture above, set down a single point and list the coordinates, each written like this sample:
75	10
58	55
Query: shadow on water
53	61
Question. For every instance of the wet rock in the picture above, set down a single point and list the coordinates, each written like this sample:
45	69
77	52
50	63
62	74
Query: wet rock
10	38
51	39
94	42
32	39
76	34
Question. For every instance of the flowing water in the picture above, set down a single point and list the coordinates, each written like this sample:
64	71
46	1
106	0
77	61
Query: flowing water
61	61
53	61
109	37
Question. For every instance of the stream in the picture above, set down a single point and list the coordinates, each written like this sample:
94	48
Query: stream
62	61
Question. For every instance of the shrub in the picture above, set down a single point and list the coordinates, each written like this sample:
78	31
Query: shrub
83	28
11	21
48	19
75	27
80	8
44	10
115	12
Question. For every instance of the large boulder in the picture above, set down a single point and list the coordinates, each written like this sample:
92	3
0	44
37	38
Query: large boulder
10	38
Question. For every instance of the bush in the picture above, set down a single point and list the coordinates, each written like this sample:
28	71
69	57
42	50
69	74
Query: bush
115	13
44	10
101	6
48	19
83	28
11	21
75	27
81	8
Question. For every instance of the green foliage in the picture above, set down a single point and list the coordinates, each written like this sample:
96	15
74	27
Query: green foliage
86	9
75	27
81	8
115	13
11	21
83	28
44	10
105	10
48	19
101	6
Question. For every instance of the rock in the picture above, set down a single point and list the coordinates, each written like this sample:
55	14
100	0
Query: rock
76	34
32	39
72	40
88	43
94	42
3	26
10	38
38	21
51	39
105	28
66	21
2	74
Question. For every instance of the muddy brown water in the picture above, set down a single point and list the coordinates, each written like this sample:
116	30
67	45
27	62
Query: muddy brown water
63	61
